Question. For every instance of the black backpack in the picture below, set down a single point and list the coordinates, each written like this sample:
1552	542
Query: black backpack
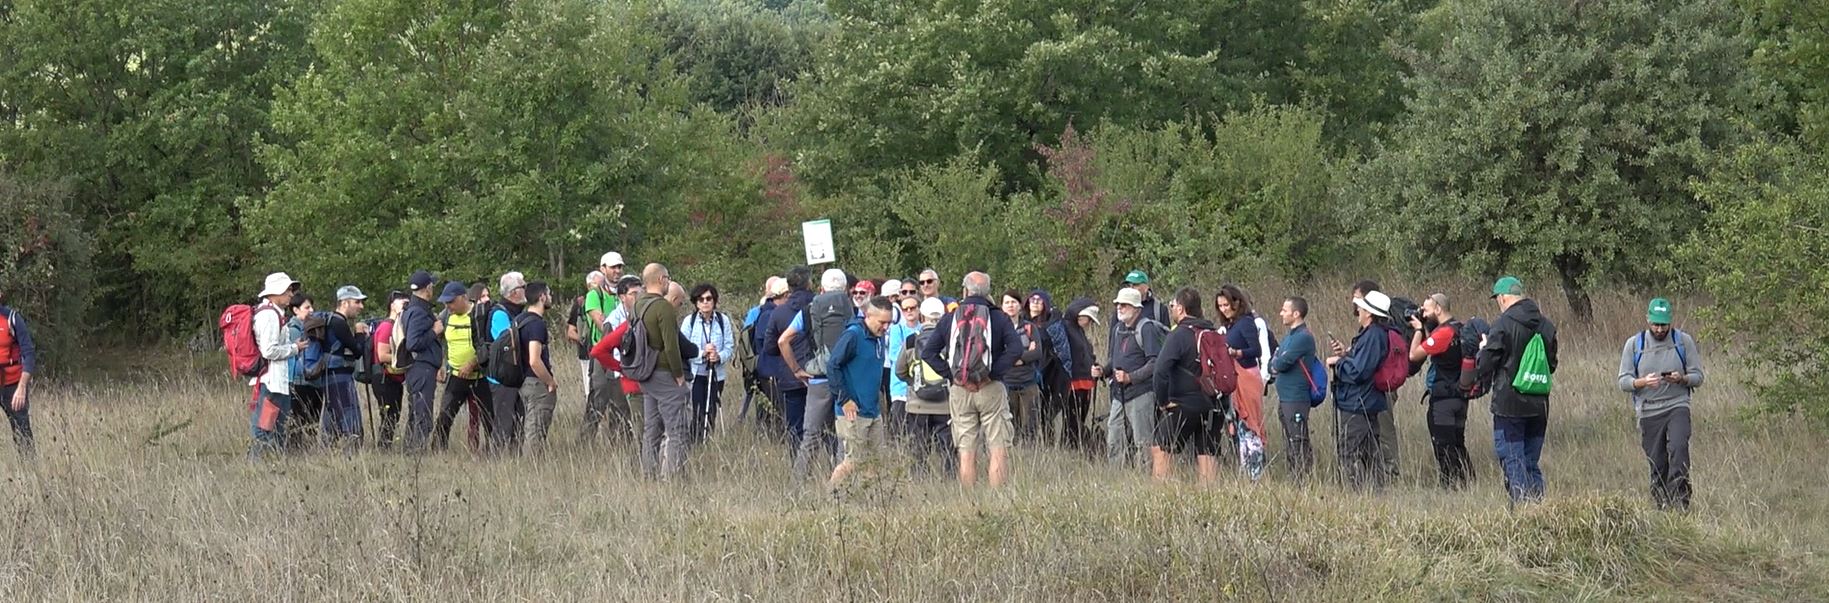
1401	309
639	358
368	370
825	320
506	363
1468	336
480	337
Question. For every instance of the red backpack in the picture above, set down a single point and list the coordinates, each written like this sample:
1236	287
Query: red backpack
1218	373
1395	368
237	324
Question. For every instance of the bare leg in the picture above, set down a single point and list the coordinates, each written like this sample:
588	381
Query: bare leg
1208	467
968	467
839	473
1161	464
1000	467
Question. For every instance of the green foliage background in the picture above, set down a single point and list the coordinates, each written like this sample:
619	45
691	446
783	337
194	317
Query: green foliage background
159	157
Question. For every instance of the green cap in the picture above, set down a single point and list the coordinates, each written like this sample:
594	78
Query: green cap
1659	312
1509	285
1136	277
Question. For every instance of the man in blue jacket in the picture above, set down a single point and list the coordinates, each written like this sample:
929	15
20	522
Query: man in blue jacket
1359	403
854	374
979	402
422	345
1290	367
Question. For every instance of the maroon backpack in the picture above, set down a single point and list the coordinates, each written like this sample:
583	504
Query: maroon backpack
1395	368
1218	373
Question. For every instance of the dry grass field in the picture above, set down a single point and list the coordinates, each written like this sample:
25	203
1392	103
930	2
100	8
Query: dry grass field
142	491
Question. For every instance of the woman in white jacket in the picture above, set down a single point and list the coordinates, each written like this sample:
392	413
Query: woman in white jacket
712	332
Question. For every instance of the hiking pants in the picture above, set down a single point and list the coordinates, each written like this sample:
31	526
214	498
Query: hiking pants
1360	461
20	420
1448	435
816	436
665	413
507	415
793	411
388	394
1130	431
1301	455
539	404
1025	403
705	394
267	422
1518	441
306	415
1666	441
421	391
342	411
461	393
607	401
1387	443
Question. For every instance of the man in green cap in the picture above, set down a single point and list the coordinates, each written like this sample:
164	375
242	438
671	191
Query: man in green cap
1660	367
1520	389
1139	280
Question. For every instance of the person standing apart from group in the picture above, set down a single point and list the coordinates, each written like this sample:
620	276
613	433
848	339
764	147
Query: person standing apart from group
1661	367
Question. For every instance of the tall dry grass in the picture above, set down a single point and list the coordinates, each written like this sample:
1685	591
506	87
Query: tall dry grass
142	492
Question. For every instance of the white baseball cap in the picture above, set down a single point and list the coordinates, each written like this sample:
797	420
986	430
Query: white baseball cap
777	286
610	259
892	287
932	307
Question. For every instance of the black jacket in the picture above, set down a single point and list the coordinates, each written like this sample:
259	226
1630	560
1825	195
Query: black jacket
1178	368
1505	349
1005	345
1022	375
1078	344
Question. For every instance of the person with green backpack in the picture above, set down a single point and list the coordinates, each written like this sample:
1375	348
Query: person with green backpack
1660	366
1520	357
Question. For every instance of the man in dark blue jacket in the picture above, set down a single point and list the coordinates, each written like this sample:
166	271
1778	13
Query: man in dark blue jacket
1359	403
980	403
422	345
791	390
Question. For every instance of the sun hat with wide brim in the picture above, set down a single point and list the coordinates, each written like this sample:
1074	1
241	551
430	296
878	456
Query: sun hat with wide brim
278	283
1375	302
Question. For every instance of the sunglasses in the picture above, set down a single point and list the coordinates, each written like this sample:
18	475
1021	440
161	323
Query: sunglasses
928	281
911	308
859	293
908	292
707	298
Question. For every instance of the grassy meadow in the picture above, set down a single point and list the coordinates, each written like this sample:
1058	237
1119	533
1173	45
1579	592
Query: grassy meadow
142	491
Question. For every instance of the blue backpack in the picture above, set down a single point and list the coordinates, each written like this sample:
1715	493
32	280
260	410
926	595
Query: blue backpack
1317	380
1676	337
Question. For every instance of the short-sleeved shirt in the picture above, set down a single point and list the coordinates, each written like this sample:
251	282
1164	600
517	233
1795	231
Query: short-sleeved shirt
1438	340
601	302
384	332
535	330
460	349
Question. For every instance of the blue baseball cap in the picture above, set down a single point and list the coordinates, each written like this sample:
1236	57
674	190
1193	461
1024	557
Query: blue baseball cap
453	290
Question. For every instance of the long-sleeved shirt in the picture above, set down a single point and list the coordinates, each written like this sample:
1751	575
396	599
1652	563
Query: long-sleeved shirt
897	340
1251	341
1288	365
270	337
714	331
419	339
1133	349
1353	391
856	371
663	324
1177	376
1005	345
27	356
1658	358
346	346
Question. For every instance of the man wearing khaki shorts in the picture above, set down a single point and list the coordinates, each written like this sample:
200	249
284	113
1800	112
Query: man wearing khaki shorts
972	347
854	375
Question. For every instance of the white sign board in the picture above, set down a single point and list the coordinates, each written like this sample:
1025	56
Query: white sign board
818	237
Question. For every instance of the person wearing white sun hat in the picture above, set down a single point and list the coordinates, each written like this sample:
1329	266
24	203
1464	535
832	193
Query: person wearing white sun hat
1357	402
268	420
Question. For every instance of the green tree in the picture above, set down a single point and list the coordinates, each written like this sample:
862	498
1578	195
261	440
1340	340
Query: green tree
1764	256
737	54
45	265
148	112
1793	50
1548	136
474	137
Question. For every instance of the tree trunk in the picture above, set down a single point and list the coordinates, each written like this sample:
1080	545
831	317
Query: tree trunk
1574	271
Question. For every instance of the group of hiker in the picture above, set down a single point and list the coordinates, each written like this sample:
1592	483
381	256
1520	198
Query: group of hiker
843	370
